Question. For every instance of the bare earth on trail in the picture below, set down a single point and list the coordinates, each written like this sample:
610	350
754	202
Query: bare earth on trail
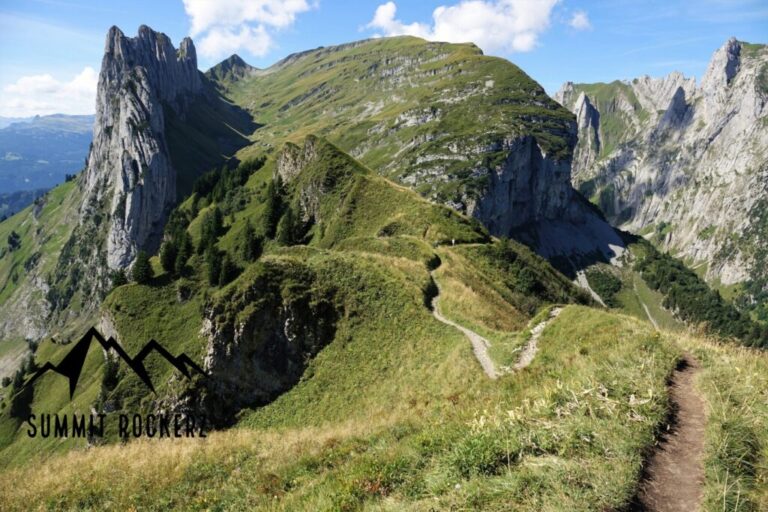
480	345
526	357
674	474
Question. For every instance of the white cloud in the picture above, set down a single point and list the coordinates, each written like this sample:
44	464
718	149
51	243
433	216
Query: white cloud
580	21
227	26
43	95
494	25
225	41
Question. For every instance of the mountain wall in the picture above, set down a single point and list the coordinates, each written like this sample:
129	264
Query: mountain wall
129	167
686	165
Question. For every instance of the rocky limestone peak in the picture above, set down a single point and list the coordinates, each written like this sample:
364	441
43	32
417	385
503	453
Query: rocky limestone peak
677	112
722	67
587	115
129	176
654	94
565	94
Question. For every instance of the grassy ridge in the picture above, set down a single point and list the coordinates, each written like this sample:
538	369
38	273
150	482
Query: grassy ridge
563	434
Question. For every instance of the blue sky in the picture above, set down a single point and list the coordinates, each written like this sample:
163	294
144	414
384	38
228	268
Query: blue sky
50	50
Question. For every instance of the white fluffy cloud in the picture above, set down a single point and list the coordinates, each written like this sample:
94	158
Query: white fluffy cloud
227	26
494	25
580	21
43	95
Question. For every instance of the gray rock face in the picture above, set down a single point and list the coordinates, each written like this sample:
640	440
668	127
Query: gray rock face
527	187
129	168
252	358
687	166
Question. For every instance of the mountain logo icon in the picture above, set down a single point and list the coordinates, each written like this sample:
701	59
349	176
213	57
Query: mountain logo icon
72	365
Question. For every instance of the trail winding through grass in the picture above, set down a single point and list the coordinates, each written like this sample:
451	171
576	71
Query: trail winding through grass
479	344
529	351
674	474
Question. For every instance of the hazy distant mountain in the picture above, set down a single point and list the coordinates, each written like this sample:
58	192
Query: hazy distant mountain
6	121
38	152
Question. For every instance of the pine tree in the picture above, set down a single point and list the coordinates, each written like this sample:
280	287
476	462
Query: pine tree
212	226
142	270
185	250
271	209
119	278
251	248
213	262
286	228
228	271
168	254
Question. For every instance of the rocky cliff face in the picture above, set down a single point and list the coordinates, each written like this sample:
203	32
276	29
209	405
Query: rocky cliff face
129	168
682	164
261	338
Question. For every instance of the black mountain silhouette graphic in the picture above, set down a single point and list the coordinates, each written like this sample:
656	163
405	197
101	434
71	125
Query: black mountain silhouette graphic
72	364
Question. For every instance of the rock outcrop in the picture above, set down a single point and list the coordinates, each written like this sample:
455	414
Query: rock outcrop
129	168
261	338
686	166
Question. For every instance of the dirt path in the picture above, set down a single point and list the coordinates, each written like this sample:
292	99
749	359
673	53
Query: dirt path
529	351
581	280
479	344
674	473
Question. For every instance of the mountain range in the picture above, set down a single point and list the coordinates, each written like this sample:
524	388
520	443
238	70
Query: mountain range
377	254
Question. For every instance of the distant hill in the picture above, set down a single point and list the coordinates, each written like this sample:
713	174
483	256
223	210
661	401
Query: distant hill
39	152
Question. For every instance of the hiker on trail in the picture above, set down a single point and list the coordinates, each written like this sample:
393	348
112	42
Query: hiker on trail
453	241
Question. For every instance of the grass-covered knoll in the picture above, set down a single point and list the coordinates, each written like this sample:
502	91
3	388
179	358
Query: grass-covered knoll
427	114
567	433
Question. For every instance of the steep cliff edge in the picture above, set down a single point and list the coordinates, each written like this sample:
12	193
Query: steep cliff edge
670	169
159	125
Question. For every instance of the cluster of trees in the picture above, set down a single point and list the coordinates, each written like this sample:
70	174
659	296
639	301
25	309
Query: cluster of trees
14	241
694	302
279	222
69	177
215	184
606	285
21	397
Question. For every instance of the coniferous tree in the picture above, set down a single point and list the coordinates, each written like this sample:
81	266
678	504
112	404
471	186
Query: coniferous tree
213	262
185	250
211	229
251	248
272	209
168	254
119	278
228	271
142	269
286	228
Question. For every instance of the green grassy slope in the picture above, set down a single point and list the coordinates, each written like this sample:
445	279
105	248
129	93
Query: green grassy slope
394	412
419	112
